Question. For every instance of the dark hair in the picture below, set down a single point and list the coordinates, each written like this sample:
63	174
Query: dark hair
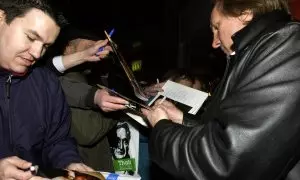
68	34
236	8
19	8
125	126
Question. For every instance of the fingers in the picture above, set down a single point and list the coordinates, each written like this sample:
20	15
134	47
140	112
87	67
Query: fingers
38	178
16	173
116	100
17	170
154	89
145	111
20	163
160	85
98	57
106	97
87	168
102	47
157	114
108	48
101	43
109	103
79	167
160	101
113	107
167	103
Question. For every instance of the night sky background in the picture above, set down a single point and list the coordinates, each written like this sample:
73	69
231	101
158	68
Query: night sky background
164	34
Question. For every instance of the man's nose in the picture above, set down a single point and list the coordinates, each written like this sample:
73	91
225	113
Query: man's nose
216	43
36	50
122	145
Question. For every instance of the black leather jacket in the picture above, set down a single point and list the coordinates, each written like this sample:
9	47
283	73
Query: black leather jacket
251	129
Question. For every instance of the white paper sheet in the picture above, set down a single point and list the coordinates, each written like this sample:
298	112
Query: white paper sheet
179	93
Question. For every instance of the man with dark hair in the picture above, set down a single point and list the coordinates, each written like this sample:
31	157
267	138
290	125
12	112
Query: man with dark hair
251	128
121	148
34	115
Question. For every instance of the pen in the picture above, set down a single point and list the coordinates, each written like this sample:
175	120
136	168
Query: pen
110	34
161	101
33	169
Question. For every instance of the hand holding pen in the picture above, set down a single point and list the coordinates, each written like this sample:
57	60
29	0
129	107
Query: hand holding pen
15	168
110	34
153	89
92	53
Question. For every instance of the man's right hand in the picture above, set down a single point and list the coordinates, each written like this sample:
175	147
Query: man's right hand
108	103
13	168
175	114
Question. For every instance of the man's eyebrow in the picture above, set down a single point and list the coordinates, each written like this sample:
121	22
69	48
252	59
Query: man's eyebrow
213	25
35	34
38	36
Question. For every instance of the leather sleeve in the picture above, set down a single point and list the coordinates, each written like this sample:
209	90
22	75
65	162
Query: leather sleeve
190	120
254	131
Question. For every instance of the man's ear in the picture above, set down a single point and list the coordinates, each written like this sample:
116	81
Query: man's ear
246	16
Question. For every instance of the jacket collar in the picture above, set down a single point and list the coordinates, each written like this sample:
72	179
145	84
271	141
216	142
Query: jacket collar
257	27
4	75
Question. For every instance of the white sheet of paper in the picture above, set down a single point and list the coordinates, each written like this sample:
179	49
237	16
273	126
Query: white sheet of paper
180	93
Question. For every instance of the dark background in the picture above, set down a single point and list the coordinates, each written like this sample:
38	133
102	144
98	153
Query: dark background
164	34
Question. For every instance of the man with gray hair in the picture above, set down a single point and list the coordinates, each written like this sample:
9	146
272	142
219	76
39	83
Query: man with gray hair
251	128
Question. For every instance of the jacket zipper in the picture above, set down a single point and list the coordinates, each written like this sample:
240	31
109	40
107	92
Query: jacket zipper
7	92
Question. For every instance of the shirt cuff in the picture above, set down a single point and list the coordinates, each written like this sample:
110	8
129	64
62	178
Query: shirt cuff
58	64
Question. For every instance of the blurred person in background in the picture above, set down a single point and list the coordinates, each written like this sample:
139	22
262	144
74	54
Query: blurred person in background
79	51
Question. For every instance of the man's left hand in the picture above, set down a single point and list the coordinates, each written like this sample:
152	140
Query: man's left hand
107	102
79	167
155	115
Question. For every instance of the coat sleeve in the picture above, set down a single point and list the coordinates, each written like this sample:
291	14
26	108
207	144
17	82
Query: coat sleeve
255	132
59	149
89	127
78	94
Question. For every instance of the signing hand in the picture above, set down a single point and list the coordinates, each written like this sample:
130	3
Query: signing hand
155	115
153	89
108	103
78	167
172	111
13	168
